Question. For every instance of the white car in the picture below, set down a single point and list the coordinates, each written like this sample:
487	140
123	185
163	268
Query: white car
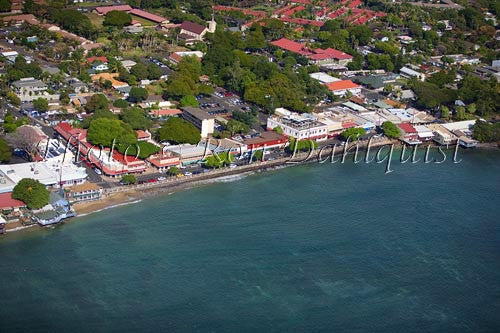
161	178
98	171
188	173
232	166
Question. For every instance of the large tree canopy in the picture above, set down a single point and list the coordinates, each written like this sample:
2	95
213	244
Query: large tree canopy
103	131
32	193
117	18
178	130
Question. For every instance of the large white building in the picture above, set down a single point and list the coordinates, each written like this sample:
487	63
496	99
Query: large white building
51	173
301	127
29	89
201	119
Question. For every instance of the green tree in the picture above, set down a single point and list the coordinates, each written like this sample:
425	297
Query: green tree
353	133
98	102
391	130
177	130
258	155
136	118
41	104
486	132
140	71
173	171
234	126
129	179
219	160
301	145
5	151
445	112
188	100
278	129
460	113
5	6
154	72
32	193
12	98
104	131
138	94
117	18
120	103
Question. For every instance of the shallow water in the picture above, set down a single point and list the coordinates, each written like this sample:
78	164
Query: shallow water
316	248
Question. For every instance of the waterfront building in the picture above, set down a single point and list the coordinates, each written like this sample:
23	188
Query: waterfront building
299	126
204	121
84	192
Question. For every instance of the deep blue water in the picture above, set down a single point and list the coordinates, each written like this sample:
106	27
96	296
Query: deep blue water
315	248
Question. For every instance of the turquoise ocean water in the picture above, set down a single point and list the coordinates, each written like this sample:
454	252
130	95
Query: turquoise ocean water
314	248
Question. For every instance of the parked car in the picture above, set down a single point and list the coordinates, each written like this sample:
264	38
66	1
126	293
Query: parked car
151	180
188	173
161	178
98	171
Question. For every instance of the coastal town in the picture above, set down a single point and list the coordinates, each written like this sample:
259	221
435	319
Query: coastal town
100	98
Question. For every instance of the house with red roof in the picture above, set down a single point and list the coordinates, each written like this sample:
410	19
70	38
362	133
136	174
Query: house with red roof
409	134
315	56
143	135
109	161
191	32
103	10
342	87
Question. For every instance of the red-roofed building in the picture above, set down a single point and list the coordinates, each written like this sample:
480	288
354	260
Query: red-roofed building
316	56
143	135
164	160
165	112
302	21
9	203
410	134
267	140
291	46
148	16
102	59
114	165
106	9
340	88
191	32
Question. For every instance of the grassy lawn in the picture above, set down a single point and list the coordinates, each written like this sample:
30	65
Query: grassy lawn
95	19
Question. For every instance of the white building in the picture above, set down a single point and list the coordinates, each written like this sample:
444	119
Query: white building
201	119
410	73
51	173
29	89
301	127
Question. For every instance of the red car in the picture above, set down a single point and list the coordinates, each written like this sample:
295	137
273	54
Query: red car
228	94
152	180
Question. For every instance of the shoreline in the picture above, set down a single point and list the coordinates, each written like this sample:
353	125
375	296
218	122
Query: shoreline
126	195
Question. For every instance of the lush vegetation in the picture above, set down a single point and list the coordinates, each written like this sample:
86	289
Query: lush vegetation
173	171
301	145
486	132
32	193
129	179
219	160
105	132
391	130
353	133
136	118
146	149
117	18
177	130
41	104
10	123
5	151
